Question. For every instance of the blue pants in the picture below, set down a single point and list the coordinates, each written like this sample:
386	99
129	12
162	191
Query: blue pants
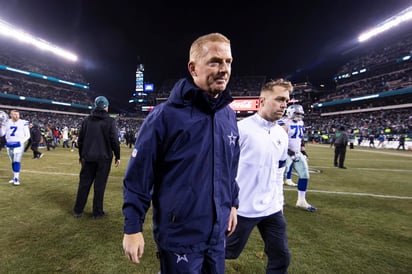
209	261
272	228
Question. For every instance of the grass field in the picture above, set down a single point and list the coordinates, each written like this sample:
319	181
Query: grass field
363	223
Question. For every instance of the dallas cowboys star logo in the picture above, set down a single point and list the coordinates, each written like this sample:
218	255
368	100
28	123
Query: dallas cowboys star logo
232	138
181	258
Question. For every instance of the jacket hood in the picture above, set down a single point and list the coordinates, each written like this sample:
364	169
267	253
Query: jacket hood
99	113
185	93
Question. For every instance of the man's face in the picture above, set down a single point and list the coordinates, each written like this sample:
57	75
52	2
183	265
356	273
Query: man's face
15	115
273	104
298	117
211	72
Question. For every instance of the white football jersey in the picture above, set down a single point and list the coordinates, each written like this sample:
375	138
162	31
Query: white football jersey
15	132
295	133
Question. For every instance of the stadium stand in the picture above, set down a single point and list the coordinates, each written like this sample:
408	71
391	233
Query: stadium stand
42	78
34	74
373	94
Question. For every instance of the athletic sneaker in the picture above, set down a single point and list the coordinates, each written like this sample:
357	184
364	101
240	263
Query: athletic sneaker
306	206
14	181
99	216
41	155
289	182
77	215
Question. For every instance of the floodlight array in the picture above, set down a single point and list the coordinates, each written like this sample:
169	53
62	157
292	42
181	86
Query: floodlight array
8	30
393	21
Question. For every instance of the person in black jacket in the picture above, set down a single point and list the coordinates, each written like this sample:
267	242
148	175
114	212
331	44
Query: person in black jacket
35	137
97	142
401	142
340	142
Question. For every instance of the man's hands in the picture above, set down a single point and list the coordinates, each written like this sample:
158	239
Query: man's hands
133	246
232	222
117	163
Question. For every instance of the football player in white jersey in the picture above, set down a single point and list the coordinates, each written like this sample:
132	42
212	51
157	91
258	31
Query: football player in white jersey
17	132
297	156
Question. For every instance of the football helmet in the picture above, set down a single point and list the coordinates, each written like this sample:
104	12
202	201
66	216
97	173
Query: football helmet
293	112
3	117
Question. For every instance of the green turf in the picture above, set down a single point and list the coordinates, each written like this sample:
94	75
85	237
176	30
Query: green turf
363	223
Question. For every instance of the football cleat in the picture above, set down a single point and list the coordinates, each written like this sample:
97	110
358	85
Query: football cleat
289	182
306	206
14	181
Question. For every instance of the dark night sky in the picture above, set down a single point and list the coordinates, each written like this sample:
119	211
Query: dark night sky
300	40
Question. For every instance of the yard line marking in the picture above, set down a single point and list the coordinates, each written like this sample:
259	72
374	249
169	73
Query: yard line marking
355	194
360	168
286	189
52	173
376	150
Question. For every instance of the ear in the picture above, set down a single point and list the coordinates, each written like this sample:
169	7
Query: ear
192	70
261	100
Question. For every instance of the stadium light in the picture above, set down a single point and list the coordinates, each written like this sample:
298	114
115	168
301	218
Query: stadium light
9	31
393	21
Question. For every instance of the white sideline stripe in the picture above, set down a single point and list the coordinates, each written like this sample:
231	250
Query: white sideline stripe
286	189
361	168
355	194
375	150
51	173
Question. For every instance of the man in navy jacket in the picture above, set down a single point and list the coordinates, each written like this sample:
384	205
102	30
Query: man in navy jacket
184	164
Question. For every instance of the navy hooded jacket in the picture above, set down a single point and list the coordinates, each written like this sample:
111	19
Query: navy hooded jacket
185	162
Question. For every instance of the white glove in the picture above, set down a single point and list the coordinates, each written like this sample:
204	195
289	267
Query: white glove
295	157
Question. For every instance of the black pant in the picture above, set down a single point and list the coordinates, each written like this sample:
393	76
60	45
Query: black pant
29	143
96	172
340	153
401	145
272	228
35	148
49	143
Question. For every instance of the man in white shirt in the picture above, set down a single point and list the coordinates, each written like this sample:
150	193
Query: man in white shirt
17	132
263	151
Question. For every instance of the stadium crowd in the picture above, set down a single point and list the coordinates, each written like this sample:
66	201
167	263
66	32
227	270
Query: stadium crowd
385	69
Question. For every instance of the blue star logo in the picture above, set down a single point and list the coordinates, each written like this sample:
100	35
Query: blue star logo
181	258
232	138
